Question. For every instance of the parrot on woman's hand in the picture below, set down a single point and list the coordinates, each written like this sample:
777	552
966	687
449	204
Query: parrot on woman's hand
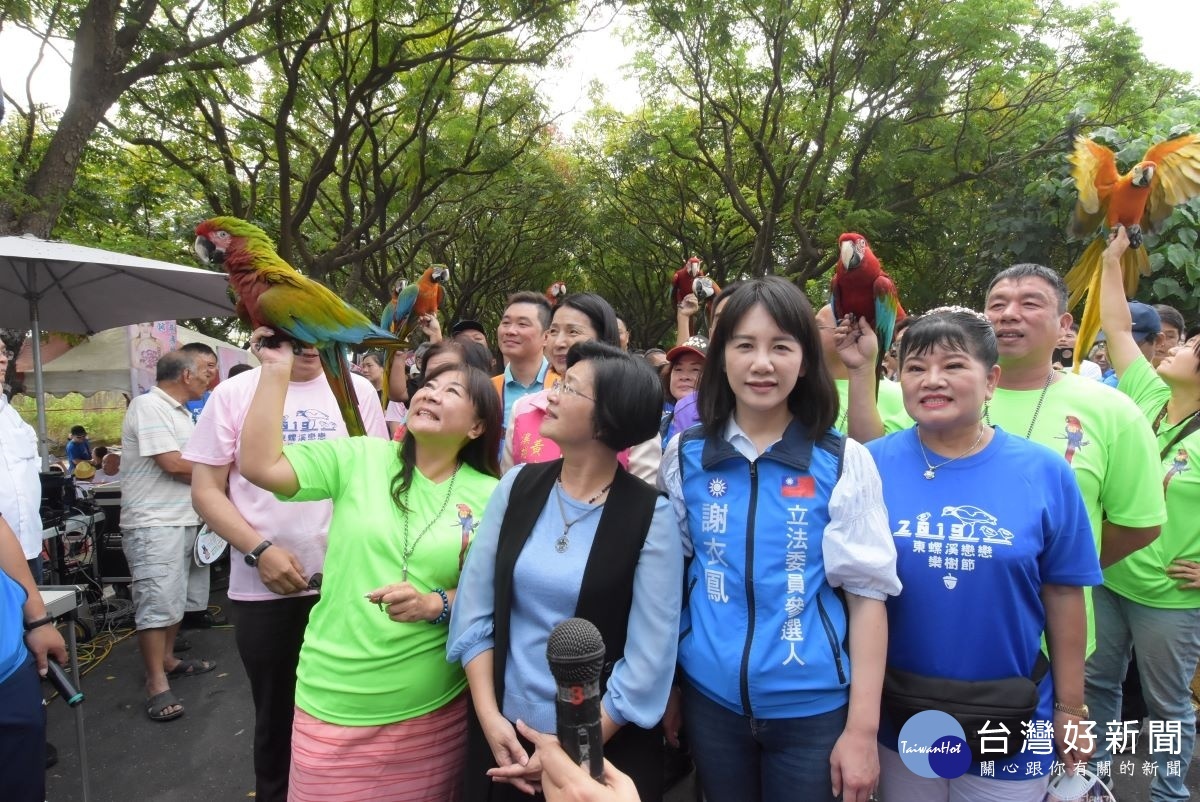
861	288
272	293
1143	198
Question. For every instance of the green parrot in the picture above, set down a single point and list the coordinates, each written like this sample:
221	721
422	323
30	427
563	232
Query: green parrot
272	293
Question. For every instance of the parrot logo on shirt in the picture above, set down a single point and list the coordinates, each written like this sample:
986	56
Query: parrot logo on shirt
1073	434
1179	465
466	521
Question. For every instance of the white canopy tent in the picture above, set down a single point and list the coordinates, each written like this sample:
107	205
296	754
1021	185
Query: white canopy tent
104	363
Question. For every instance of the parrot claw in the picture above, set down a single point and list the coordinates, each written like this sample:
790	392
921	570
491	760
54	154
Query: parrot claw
1135	236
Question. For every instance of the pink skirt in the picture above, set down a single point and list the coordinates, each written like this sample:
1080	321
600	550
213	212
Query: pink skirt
418	760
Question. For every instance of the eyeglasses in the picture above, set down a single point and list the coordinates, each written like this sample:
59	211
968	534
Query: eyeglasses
561	387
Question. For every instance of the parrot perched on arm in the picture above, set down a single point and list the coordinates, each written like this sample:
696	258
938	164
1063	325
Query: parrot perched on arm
272	293
1168	175
861	288
684	278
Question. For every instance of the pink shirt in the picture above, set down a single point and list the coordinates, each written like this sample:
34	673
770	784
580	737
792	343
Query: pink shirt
310	412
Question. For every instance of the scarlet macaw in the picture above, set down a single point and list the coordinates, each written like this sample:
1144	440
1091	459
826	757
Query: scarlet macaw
555	293
270	292
1168	175
861	288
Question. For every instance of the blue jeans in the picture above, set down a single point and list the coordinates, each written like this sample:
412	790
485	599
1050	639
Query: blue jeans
1167	644
745	759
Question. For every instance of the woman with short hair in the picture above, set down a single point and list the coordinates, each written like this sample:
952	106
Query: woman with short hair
576	536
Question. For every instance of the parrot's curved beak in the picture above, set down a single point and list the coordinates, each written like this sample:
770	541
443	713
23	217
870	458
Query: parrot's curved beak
1143	174
207	252
441	274
849	258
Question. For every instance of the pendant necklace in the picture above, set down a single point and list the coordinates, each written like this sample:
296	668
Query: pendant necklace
408	550
564	540
1036	410
930	469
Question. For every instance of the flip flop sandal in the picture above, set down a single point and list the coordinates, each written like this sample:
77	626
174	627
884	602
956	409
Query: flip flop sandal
159	702
190	668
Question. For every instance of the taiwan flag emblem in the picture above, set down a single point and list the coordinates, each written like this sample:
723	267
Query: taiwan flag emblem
798	487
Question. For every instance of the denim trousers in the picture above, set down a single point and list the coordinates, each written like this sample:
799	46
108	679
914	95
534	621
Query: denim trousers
1167	644
269	635
745	759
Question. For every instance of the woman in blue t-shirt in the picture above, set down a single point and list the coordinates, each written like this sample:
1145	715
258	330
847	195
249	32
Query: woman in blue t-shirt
993	548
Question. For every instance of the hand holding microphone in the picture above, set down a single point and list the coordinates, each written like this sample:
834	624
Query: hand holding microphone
575	652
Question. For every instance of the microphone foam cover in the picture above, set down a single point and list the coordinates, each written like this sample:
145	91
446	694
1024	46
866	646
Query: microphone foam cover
575	651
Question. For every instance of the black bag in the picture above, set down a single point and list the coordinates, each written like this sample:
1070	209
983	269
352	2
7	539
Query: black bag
1011	701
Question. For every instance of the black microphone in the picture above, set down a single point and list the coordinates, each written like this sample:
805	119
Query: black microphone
575	652
62	683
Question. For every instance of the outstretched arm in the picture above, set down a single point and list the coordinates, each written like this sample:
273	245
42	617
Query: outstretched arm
1114	311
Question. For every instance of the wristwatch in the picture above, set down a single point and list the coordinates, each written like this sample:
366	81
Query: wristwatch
1077	712
252	557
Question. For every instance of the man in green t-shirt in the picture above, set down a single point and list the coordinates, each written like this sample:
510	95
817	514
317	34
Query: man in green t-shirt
1100	433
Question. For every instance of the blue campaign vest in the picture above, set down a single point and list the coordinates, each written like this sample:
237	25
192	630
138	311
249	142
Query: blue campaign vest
762	632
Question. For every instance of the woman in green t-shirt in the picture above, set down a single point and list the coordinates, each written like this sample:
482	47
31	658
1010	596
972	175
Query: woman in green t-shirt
1150	601
379	711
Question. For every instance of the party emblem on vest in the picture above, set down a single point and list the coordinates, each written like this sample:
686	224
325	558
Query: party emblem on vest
717	487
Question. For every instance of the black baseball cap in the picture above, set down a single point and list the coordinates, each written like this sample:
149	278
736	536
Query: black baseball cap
467	325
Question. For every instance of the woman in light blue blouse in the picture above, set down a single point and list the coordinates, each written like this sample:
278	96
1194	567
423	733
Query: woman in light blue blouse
581	537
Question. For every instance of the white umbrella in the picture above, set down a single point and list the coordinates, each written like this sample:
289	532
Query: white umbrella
58	286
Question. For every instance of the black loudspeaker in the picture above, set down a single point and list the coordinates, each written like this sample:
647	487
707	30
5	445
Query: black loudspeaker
58	492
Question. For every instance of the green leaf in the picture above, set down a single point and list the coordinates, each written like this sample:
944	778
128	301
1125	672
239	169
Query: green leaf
1187	236
1179	255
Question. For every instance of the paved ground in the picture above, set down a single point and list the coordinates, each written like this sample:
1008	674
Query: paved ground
205	755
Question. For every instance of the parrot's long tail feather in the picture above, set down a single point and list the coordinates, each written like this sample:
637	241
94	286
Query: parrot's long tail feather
1083	284
1079	278
337	373
1087	267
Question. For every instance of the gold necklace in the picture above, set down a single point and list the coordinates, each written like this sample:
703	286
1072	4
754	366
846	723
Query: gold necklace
930	469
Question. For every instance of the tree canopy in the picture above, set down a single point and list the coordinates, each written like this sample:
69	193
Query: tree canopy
373	139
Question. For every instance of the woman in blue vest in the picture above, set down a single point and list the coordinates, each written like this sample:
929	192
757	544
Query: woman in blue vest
784	630
577	536
993	547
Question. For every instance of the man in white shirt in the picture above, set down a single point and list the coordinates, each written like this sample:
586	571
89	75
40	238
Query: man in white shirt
159	525
20	486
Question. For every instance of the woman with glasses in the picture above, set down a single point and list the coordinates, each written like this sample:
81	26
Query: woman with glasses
577	536
380	714
579	317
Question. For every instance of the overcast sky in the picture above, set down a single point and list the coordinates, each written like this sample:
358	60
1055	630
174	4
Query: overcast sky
1168	29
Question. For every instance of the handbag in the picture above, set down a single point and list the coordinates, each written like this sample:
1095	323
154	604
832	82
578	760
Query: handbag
976	705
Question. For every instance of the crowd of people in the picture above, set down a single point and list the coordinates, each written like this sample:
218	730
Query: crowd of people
789	542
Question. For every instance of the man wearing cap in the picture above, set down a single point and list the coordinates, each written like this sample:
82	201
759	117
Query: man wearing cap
470	330
78	447
1147	328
